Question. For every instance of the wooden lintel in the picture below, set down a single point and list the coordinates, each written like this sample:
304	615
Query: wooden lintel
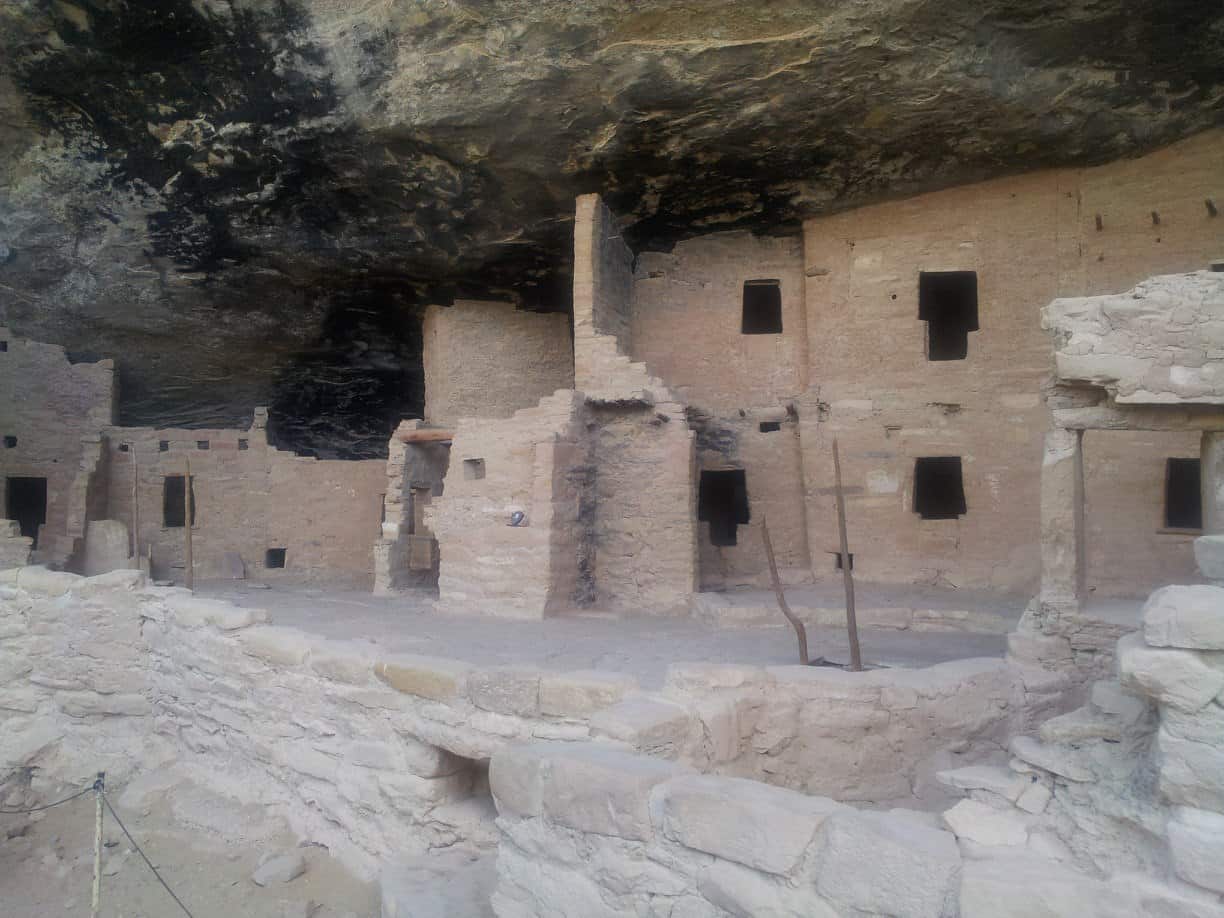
426	435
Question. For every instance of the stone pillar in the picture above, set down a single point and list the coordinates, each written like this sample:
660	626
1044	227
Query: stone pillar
1062	520
1212	468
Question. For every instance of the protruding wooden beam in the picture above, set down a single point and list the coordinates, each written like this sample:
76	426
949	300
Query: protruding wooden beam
425	435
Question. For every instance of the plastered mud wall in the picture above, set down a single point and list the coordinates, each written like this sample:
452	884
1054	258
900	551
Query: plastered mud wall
488	360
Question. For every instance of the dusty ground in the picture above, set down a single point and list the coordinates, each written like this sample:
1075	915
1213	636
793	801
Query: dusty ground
640	645
48	870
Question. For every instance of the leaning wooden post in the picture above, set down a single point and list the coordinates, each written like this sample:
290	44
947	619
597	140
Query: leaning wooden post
187	520
800	630
856	659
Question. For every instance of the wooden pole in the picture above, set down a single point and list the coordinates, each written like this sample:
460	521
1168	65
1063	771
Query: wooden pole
135	505
189	577
856	659
96	899
800	630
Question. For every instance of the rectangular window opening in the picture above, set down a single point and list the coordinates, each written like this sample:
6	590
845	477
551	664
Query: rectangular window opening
25	500
163	446
948	303
274	558
722	501
202	444
3	347
244	444
1183	494
173	512
10	442
939	488
123	448
473	469
837	559
762	308
770	426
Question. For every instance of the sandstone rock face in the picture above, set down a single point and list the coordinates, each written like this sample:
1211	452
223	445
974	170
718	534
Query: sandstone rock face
261	189
1156	344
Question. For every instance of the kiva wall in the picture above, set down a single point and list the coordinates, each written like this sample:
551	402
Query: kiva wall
488	360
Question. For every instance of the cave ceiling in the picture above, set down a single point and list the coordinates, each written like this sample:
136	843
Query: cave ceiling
246	202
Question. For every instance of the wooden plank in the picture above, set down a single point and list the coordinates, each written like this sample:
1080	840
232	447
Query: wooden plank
426	435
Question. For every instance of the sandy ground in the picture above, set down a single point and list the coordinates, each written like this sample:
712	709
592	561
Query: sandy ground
48	869
640	645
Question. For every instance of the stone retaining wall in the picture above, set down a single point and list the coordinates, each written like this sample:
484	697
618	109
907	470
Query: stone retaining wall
372	753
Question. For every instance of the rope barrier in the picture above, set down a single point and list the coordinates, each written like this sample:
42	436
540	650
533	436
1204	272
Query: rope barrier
97	787
140	851
48	806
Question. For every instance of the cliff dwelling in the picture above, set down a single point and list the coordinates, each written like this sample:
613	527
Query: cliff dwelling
473	460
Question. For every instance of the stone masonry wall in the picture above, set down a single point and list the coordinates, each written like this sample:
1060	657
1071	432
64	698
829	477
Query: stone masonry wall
1030	239
372	753
645	551
687	307
55	409
249	497
488	360
497	468
588	832
1127	541
603	279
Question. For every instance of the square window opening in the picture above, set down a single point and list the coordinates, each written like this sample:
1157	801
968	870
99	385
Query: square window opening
10	442
1183	494
274	558
25	500
174	514
762	313
473	469
202	444
722	501
244	444
124	448
948	303
939	488
163	446
770	426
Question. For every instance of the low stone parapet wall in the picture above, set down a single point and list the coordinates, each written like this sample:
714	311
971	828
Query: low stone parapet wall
370	752
593	832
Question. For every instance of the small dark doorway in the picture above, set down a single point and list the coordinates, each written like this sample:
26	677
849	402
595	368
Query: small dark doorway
25	500
948	303
1183	494
722	501
173	511
274	558
939	488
